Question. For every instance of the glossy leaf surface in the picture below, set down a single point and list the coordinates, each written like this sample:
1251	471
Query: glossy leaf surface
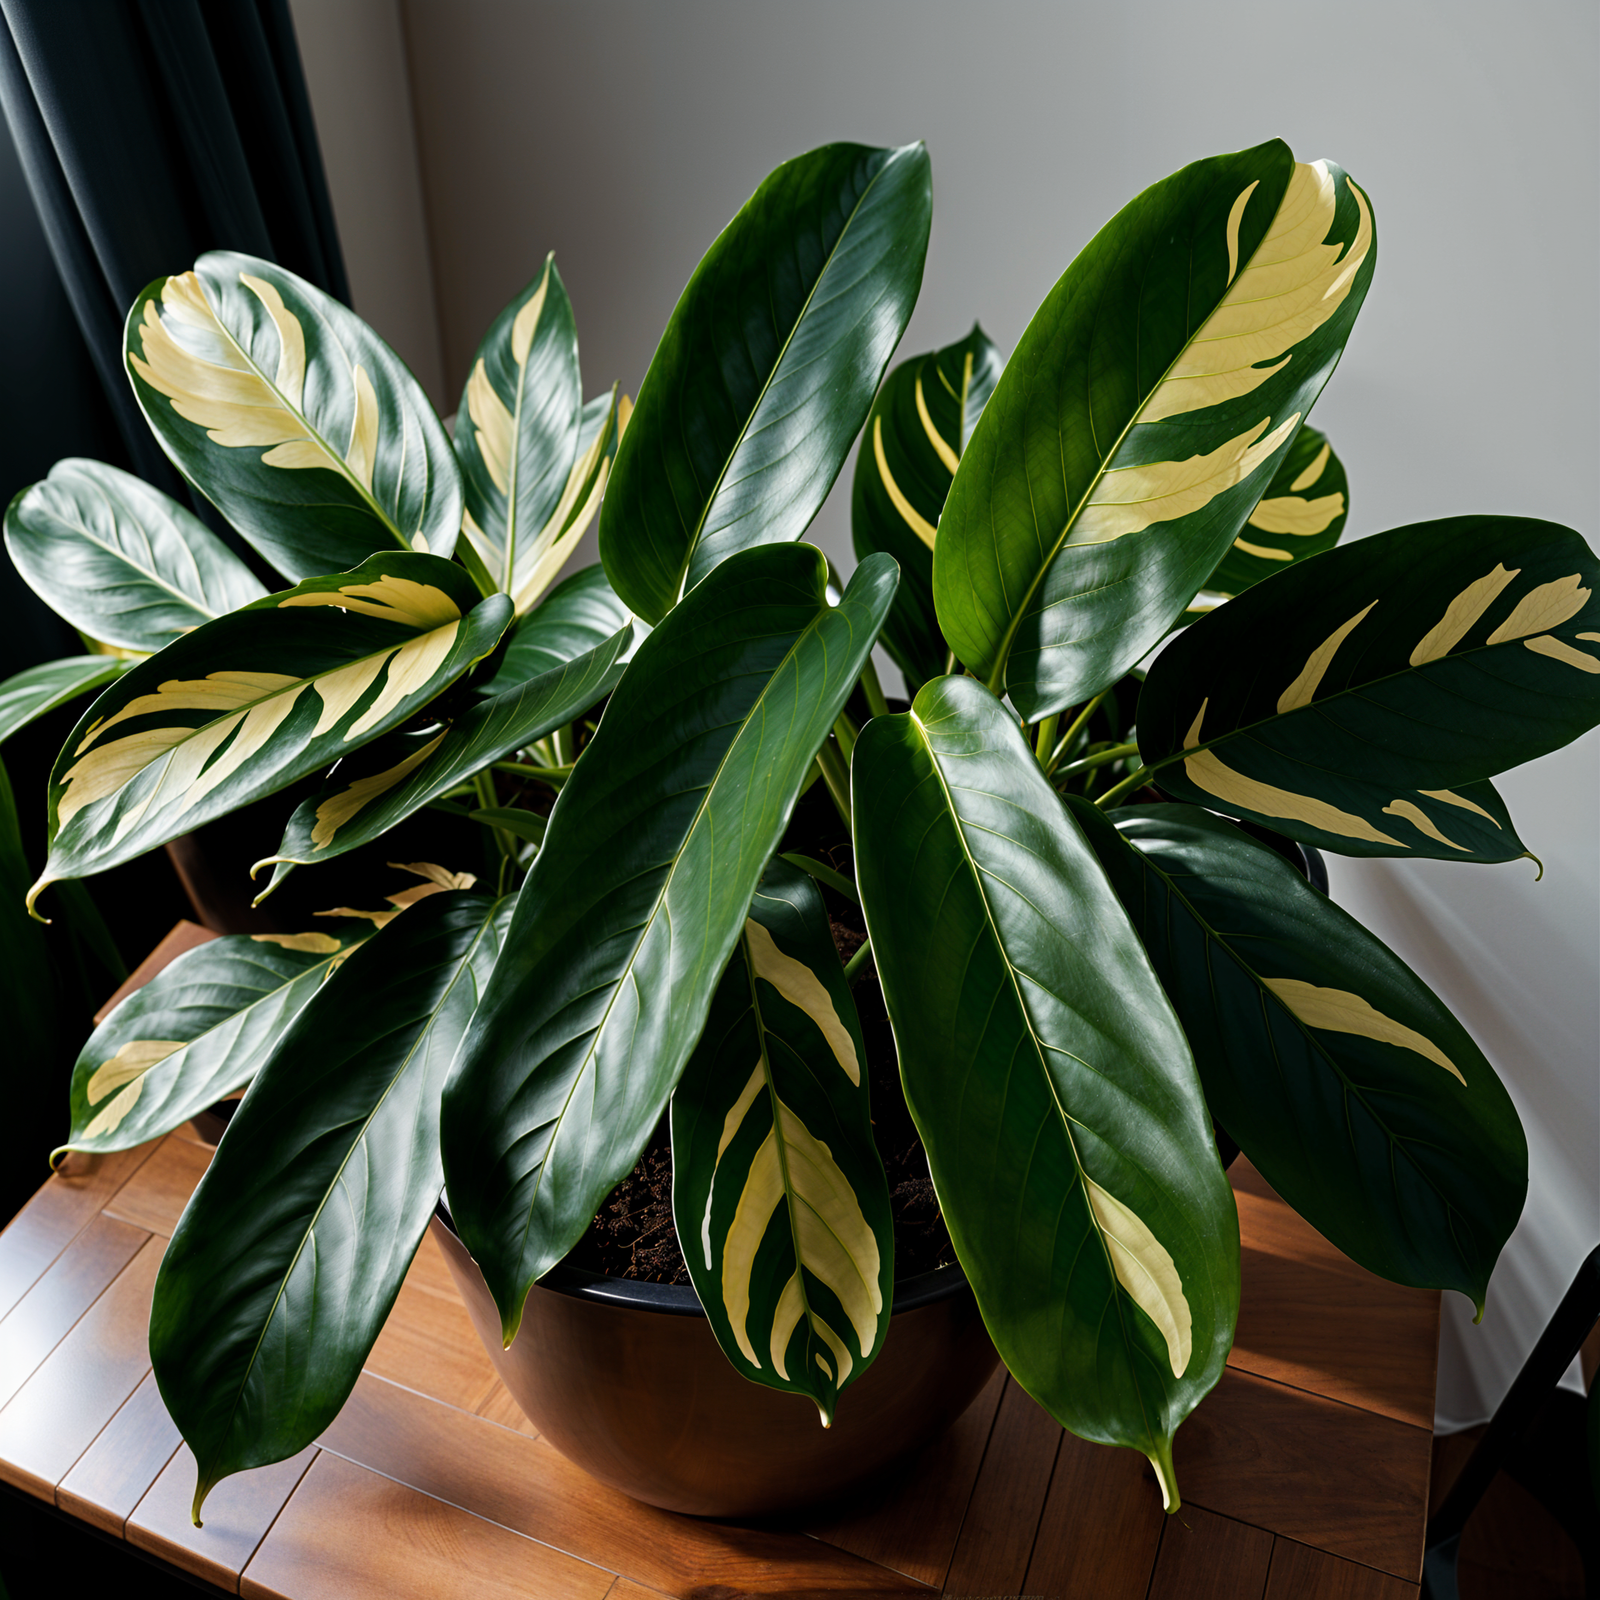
578	615
920	423
1141	418
767	369
195	1033
36	690
1355	699
638	896
291	416
1343	1077
778	1191
289	1255
1048	1077
252	702
1302	514
398	775
517	426
121	561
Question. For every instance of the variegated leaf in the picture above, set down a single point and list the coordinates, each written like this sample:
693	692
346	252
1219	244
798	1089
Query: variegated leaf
1343	1077
1049	1079
1302	513
36	690
576	616
291	416
258	699
920	423
1359	700
393	778
778	1191
121	561
196	1033
1141	418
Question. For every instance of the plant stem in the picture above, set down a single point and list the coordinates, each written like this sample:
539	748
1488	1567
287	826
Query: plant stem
950	662
488	800
856	967
1045	741
563	746
554	776
1134	780
845	730
1079	723
836	775
824	874
1101	758
873	690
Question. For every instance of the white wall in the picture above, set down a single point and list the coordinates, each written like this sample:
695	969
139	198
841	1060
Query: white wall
624	133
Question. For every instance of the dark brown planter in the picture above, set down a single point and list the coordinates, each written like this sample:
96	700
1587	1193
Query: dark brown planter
627	1380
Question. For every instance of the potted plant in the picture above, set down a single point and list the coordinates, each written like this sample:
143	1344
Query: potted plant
1085	964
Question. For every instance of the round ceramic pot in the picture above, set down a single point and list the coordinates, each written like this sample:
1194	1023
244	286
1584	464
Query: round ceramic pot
627	1380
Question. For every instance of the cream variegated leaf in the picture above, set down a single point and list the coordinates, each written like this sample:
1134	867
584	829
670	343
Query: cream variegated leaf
194	1034
1361	700
1143	417
285	409
258	699
1342	1076
778	1191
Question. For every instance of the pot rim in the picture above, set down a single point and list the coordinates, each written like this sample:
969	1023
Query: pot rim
680	1299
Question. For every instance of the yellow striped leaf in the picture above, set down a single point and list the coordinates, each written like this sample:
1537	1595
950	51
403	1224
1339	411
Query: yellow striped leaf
292	416
1142	418
1361	700
778	1190
258	699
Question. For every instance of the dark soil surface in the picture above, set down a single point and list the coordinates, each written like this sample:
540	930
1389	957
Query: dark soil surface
633	1235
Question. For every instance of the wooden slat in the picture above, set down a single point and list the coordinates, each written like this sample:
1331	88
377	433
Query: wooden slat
349	1534
524	1484
911	1521
428	1343
996	1540
1345	1480
1295	1323
112	1476
63	1206
1299	1573
46	1314
1207	1557
627	1589
61	1409
154	1197
184	936
237	1514
496	1405
1101	1525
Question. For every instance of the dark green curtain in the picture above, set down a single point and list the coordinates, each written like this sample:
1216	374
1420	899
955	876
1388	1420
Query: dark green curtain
141	134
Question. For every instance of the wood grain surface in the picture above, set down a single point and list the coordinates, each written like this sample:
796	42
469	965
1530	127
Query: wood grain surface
1305	1475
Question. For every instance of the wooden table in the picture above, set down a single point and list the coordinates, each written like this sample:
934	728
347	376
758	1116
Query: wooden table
1304	1474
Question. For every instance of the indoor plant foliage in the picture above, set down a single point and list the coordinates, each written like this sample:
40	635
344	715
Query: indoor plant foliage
1083	971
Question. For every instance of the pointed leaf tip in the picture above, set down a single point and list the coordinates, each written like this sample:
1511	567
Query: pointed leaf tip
1161	1459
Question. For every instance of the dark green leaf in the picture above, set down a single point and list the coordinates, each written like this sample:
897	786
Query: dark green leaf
1143	415
1343	1077
250	703
767	369
195	1033
623	928
778	1191
1356	699
1302	513
921	422
36	690
580	613
291	416
119	560
1050	1082
289	1255
527	825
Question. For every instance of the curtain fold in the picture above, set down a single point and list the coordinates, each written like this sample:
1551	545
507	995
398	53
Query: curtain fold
151	131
